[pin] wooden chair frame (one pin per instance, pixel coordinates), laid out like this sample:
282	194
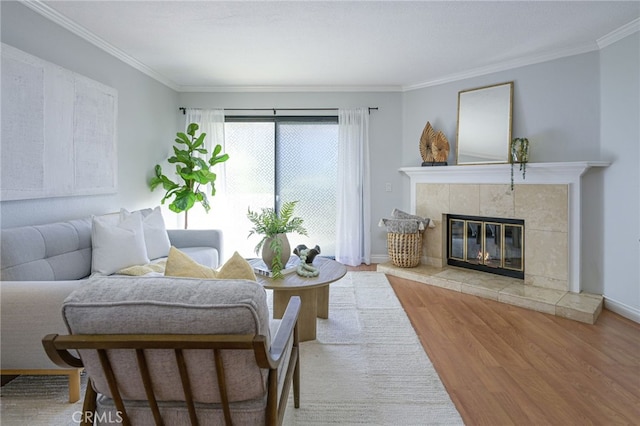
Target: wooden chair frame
57	348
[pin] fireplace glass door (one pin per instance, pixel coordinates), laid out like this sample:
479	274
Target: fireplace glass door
487	244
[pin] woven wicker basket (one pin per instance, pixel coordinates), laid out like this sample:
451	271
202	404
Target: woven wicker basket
405	250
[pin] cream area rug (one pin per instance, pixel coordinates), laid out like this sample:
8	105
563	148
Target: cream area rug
366	367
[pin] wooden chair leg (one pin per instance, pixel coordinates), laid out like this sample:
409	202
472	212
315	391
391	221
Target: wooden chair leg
89	405
296	380
74	385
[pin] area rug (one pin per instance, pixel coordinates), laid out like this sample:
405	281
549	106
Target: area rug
366	367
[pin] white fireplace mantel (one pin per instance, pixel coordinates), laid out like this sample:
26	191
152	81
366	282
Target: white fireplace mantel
568	173
536	173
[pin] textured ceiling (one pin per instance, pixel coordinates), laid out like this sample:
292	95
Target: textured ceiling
341	45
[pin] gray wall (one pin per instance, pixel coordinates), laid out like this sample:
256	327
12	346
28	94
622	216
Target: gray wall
620	144
385	129
582	107
555	105
146	118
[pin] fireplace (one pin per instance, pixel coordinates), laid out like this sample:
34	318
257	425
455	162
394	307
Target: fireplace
489	244
549	201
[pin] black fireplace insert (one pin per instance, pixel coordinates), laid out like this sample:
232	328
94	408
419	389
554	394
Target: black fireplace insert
489	244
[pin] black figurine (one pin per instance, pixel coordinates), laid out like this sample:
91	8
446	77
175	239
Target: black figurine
311	253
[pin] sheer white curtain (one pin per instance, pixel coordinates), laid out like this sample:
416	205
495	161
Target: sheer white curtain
353	230
211	122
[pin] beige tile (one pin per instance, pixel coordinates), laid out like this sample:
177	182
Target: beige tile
534	293
546	254
495	281
546	282
437	281
543	207
537	299
385	268
434	262
581	307
422	273
487	290
432	241
497	201
456	274
464	199
475	277
422	270
432	200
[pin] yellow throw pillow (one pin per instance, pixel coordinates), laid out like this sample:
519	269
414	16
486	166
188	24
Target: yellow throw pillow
237	268
181	265
139	270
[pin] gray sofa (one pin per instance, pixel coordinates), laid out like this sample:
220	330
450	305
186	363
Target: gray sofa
39	267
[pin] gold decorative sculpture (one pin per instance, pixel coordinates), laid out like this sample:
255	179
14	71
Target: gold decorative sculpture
440	148
426	140
434	147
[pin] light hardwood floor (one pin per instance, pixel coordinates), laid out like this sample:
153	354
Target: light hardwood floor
504	365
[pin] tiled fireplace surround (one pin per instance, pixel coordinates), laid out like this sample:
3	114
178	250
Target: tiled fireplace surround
549	202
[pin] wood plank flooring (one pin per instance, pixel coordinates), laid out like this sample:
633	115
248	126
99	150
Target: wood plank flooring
504	365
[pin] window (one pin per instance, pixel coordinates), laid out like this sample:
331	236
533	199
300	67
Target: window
279	159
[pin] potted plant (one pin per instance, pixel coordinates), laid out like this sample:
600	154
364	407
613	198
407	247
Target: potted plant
193	171
519	153
274	227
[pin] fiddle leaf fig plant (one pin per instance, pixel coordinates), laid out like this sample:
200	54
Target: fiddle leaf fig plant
193	172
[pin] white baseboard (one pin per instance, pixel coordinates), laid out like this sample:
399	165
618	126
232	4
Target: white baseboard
379	258
621	309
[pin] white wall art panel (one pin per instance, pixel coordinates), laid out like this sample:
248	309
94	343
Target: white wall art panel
58	131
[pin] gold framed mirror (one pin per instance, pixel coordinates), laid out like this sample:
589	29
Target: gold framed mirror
484	124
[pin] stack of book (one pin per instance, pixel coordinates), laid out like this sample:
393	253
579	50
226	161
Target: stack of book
260	268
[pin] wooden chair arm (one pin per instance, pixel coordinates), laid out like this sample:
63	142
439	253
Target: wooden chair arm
60	357
155	341
288	327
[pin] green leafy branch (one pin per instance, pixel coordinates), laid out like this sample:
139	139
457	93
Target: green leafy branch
519	150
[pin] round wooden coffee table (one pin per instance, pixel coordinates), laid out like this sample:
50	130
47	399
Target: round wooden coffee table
313	292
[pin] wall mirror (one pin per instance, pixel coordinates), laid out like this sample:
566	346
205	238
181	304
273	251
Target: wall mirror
484	124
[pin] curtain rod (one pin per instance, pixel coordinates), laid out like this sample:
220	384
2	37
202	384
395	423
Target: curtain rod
184	109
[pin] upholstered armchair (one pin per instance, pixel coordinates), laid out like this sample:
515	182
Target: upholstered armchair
180	351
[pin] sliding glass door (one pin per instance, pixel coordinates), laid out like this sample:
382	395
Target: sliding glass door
278	159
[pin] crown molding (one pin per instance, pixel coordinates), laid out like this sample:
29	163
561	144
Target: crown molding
274	89
504	66
619	34
80	31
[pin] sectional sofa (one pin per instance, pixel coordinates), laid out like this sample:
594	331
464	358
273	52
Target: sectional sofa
41	265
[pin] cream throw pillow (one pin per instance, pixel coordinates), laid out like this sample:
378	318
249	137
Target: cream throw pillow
181	265
117	246
155	233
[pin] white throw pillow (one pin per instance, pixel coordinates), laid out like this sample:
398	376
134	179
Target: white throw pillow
155	233
117	246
